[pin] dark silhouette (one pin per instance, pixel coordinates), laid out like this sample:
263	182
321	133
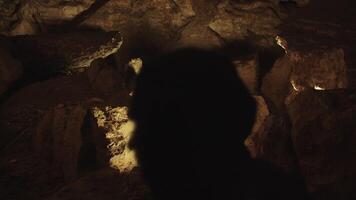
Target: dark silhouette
192	114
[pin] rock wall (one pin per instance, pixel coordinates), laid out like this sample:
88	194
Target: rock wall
299	67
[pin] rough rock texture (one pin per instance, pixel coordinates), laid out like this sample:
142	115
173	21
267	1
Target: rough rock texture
248	72
324	138
31	17
105	80
51	53
256	21
151	22
118	132
321	69
197	33
301	121
58	139
261	117
276	84
8	13
270	138
104	184
10	69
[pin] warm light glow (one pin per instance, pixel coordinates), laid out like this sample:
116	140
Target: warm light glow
295	87
316	87
119	130
136	64
282	43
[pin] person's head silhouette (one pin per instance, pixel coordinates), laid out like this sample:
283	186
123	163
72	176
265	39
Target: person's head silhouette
192	114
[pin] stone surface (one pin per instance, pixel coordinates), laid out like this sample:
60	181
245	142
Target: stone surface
270	138
10	69
31	17
276	83
321	69
118	132
256	21
247	70
104	78
58	139
8	13
149	21
106	184
46	54
323	133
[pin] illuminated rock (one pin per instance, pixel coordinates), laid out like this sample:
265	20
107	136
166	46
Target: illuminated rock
119	130
256	21
263	113
155	21
51	53
323	133
34	16
321	69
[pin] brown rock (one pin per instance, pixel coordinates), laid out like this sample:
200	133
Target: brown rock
35	16
248	72
50	53
158	21
8	13
324	138
104	78
321	69
276	84
270	139
58	139
254	20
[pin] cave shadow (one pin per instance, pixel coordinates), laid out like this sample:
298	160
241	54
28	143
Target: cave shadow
192	115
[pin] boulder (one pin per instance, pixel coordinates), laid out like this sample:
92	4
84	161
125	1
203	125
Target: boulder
58	139
118	130
270	138
32	17
276	84
324	136
47	54
247	70
322	69
319	69
8	13
256	21
151	21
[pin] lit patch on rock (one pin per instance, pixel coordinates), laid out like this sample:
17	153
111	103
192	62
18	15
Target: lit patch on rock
136	65
282	43
119	130
296	87
316	87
